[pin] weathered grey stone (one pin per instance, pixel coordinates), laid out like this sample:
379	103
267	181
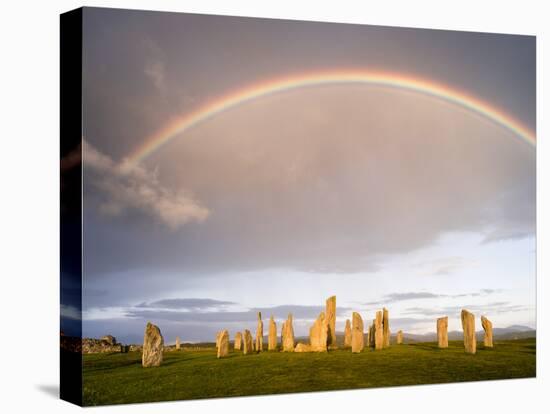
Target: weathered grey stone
399	337
378	332
287	335
259	342
302	348
178	345
318	334
110	339
238	341
386	328
357	333
442	335
153	346
347	334
488	328
469	327
272	335
330	318
247	342
223	344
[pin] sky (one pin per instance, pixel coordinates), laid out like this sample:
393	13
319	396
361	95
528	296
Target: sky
378	195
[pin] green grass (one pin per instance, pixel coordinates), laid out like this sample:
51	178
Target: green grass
119	378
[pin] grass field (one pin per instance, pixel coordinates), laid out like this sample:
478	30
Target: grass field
119	378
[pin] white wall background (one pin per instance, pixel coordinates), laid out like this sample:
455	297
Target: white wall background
29	189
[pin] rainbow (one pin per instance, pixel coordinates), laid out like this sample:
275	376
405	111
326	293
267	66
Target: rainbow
343	76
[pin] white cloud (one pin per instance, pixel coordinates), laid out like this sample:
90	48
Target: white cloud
126	186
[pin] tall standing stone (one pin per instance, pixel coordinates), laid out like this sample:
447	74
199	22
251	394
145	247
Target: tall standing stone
247	342
223	344
469	328
378	331
178	345
386	328
357	333
371	336
330	317
272	335
153	346
259	343
399	337
287	335
442	336
237	345
488	328
347	334
318	334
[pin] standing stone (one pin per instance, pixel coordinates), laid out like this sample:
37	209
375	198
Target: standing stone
318	334
356	333
287	335
223	344
302	348
371	335
399	338
378	331
386	328
488	328
178	345
347	334
469	328
331	322
247	342
259	343
237	345
442	337
153	345
272	335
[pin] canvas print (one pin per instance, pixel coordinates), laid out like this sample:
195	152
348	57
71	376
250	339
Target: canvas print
260	206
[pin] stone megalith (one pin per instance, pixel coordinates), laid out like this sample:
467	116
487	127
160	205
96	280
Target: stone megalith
386	328
153	346
347	334
330	318
488	328
272	335
223	344
356	333
371	336
378	331
237	345
110	339
302	348
318	334
442	336
247	342
399	337
259	342
287	335
178	344
469	327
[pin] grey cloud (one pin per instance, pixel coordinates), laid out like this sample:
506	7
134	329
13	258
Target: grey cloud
185	303
494	307
399	297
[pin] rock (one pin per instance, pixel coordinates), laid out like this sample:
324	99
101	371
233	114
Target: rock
386	328
378	331
399	337
223	344
178	345
371	334
259	341
347	334
330	318
442	337
287	335
247	342
272	335
109	339
469	328
238	341
488	328
302	348
318	334
153	345
357	334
